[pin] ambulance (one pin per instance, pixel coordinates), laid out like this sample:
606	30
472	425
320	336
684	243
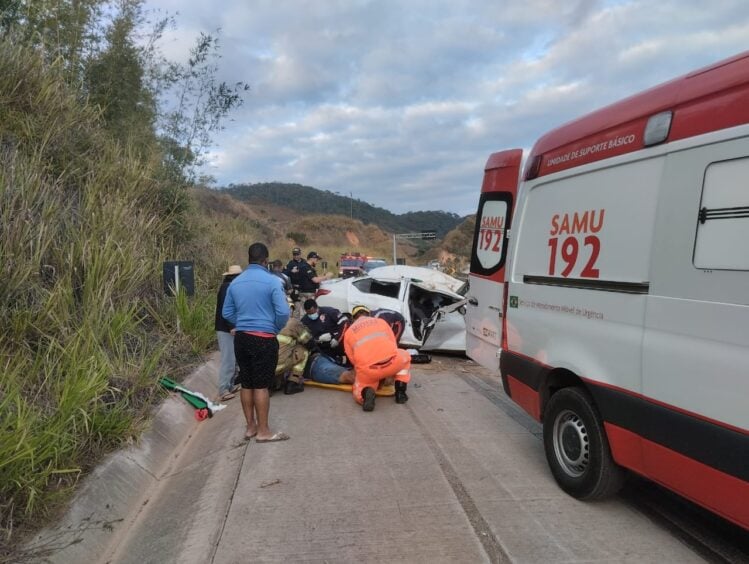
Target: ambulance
610	287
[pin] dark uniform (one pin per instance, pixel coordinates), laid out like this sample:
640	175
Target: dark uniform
396	321
293	271
329	320
306	285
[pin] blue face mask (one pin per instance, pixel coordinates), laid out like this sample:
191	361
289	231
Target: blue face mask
313	316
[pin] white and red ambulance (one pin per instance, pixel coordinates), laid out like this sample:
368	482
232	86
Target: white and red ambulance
610	287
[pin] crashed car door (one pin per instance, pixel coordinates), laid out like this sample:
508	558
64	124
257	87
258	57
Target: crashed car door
446	331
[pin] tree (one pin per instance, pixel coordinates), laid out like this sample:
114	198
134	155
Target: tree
199	105
117	83
66	30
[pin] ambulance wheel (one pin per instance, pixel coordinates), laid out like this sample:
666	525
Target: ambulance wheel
576	447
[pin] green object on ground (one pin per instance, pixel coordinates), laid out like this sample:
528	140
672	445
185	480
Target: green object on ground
189	396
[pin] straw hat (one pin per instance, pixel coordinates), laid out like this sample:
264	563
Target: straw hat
233	269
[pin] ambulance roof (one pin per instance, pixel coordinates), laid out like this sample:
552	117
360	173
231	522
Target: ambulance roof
709	99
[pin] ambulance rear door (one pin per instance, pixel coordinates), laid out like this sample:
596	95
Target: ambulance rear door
486	293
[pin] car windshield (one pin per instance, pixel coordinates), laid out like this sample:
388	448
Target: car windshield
350	262
370	264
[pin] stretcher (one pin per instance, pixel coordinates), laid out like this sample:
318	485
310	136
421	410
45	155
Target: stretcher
383	391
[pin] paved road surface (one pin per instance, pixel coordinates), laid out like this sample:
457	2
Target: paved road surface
455	475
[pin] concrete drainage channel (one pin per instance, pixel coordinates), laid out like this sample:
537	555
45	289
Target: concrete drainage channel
113	496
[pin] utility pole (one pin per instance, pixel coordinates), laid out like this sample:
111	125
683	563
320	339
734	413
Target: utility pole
352	204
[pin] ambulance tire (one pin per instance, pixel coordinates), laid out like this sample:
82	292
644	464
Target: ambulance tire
576	447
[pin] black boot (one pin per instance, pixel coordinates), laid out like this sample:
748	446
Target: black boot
368	395
293	387
400	392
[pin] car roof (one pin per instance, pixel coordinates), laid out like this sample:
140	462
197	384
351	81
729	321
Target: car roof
426	276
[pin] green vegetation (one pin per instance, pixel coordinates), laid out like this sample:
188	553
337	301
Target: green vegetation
98	186
307	199
298	238
94	195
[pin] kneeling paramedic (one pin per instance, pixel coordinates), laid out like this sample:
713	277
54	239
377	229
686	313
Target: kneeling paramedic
292	357
372	350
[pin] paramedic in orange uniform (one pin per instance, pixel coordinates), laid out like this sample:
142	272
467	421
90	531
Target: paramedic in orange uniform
371	347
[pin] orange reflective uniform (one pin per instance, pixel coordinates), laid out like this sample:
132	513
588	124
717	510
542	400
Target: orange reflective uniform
370	346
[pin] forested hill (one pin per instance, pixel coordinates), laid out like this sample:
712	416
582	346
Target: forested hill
311	200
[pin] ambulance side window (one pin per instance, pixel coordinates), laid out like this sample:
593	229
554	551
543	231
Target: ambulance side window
723	217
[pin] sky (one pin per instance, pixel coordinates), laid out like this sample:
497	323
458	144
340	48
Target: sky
399	103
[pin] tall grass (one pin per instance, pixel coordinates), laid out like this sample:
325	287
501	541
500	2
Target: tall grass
85	224
85	330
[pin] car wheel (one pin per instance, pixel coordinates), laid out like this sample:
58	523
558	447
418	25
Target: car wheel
576	447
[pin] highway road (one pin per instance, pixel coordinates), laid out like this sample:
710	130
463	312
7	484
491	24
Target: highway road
457	474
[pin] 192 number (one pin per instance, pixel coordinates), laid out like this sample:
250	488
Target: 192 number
485	239
569	251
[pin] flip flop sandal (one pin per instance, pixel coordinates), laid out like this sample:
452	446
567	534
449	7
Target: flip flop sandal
228	396
275	438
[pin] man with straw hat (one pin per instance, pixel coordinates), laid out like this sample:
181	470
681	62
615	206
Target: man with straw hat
226	388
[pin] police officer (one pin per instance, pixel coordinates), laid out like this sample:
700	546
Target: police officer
310	281
294	272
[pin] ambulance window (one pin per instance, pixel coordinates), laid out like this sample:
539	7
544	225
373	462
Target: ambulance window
723	219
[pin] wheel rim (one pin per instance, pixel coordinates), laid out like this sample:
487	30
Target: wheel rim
571	444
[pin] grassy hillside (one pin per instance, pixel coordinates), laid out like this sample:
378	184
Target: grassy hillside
307	199
282	229
86	220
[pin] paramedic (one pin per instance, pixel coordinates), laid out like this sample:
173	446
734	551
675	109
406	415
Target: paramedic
327	325
292	357
371	348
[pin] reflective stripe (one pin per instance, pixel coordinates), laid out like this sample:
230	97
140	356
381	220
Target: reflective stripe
369	338
402	373
284	339
383	363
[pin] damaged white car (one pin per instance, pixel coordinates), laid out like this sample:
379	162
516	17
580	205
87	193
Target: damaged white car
416	293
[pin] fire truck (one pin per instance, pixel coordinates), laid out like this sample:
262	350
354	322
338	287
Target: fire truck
350	264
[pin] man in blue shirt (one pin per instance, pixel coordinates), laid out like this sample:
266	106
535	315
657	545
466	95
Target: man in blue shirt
256	304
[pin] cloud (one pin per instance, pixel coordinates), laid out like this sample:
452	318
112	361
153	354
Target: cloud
401	103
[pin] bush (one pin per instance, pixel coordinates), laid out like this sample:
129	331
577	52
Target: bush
298	238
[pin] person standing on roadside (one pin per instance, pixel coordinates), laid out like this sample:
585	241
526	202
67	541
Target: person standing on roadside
276	268
293	271
256	304
310	281
226	388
